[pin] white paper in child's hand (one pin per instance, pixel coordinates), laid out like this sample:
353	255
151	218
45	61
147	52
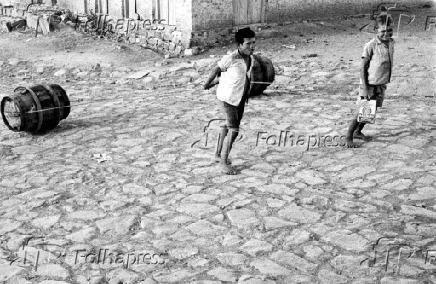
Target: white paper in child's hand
367	111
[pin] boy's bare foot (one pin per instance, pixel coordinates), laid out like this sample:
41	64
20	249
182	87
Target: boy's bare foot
226	169
360	135
350	144
218	159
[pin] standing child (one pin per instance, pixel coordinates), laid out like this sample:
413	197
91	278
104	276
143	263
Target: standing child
232	92
375	73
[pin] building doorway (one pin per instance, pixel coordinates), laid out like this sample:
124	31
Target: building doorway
248	12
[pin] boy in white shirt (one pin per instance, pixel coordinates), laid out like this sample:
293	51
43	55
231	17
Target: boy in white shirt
232	92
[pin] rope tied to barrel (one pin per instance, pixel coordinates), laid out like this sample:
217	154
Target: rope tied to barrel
136	97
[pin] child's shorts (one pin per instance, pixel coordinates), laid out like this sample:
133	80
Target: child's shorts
376	92
234	113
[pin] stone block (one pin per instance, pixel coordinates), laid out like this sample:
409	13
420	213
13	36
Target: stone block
152	41
170	28
167	36
178	49
171	46
132	39
159	43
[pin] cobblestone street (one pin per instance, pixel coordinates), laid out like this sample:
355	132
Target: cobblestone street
125	189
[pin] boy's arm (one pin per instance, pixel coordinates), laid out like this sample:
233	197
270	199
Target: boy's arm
364	76
216	72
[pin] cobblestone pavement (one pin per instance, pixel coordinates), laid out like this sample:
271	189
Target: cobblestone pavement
125	191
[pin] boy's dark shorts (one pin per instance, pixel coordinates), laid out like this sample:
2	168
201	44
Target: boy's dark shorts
376	92
234	113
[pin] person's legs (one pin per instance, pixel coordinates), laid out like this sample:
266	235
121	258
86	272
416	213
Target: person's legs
224	163
358	132
220	142
240	109
376	93
231	131
353	127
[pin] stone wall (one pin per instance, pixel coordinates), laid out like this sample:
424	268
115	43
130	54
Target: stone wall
213	22
296	10
212	14
216	14
204	23
123	18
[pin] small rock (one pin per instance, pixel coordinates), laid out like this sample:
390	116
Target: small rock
346	239
183	253
249	279
252	247
266	266
272	223
242	218
184	80
121	275
7	271
82	236
97	67
328	277
223	274
106	65
192	51
52	270
14	61
60	73
82	74
175	276
148	281
232	259
46	222
299	214
293	260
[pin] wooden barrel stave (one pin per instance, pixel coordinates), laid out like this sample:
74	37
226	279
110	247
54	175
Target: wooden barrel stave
262	71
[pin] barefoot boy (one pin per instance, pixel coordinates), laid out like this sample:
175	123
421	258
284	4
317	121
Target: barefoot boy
232	92
375	73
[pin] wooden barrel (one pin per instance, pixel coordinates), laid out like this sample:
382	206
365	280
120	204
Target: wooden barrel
35	109
262	72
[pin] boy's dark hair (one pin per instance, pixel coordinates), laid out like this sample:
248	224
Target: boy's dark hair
243	33
383	20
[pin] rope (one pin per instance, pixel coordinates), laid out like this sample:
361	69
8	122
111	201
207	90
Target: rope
176	91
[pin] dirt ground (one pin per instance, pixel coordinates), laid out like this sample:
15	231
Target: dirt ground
333	41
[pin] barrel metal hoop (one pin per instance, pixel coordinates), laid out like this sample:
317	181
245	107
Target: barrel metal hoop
2	110
38	108
18	102
57	108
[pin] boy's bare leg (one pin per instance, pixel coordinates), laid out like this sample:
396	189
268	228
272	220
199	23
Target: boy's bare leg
219	145
349	139
224	164
358	133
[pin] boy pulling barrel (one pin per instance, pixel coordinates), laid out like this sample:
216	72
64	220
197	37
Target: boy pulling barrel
234	84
